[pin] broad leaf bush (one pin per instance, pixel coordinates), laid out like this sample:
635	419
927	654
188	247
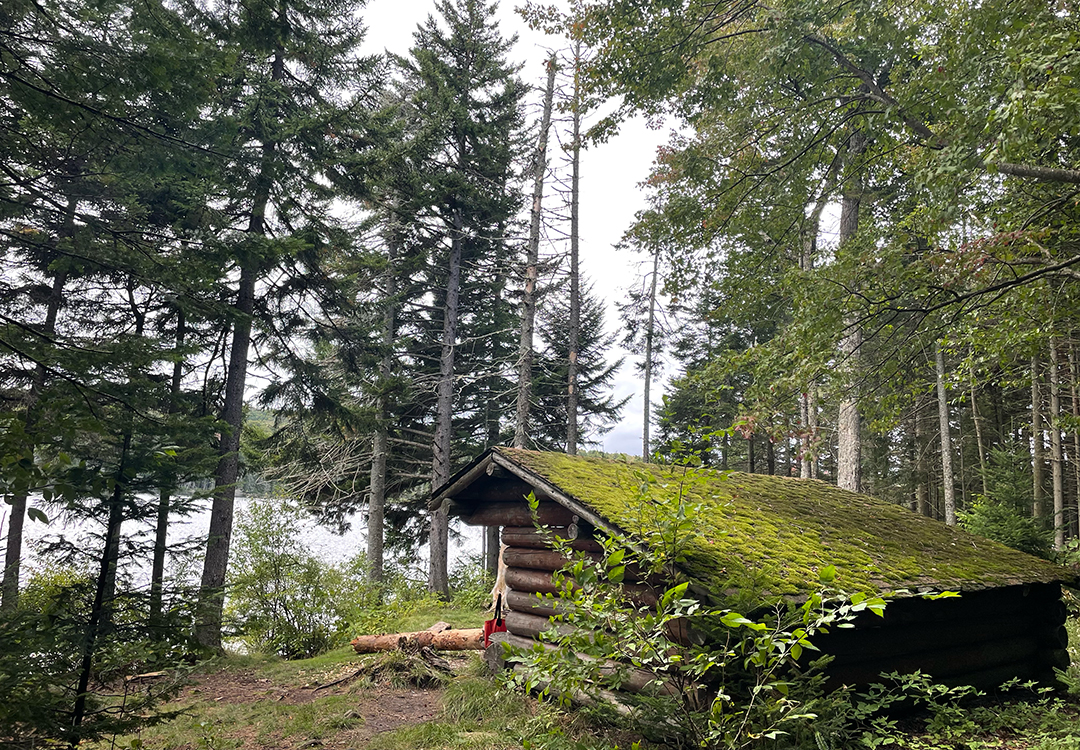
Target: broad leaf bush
729	681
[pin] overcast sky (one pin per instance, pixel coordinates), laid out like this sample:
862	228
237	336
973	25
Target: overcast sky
610	174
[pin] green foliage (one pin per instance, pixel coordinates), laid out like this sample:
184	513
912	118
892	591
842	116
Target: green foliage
1004	524
939	716
41	651
470	583
749	679
281	596
598	409
285	601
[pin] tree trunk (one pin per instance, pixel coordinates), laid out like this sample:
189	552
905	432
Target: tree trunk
161	528
380	446
438	538
1038	448
216	561
100	611
1057	457
575	281
468	639
948	490
750	457
922	473
528	299
849	449
808	467
1073	375
650	332
9	589
980	443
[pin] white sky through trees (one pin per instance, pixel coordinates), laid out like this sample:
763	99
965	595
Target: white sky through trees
610	174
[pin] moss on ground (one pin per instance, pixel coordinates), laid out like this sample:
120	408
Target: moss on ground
770	534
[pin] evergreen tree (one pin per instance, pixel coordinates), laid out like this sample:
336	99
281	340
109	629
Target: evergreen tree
463	106
295	88
598	409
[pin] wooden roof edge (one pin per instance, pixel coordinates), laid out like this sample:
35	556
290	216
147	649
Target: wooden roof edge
565	499
462	479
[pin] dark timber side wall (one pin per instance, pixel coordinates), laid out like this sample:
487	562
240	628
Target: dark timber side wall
981	638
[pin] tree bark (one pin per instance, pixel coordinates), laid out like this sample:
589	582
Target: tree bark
650	332
849	449
438	538
808	464
216	560
1057	456
1073	374
980	443
380	448
528	299
1038	448
100	611
922	473
161	528
468	639
575	280
947	480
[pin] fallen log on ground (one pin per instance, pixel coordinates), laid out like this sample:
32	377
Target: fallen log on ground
466	639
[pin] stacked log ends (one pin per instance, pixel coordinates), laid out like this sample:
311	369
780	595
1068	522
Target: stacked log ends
528	537
518	514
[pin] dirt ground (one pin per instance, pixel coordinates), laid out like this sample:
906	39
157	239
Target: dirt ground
372	709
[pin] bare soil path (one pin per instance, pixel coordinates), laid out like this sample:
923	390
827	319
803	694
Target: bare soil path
243	708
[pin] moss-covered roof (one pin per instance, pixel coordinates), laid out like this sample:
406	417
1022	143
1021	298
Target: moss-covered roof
770	535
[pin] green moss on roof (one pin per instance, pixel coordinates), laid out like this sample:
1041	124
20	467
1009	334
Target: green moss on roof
770	535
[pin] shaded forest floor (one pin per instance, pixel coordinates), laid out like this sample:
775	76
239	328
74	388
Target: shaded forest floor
341	701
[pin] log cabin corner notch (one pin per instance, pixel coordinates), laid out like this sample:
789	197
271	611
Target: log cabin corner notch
763	538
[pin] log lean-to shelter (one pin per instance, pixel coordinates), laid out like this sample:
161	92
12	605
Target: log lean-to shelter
765	538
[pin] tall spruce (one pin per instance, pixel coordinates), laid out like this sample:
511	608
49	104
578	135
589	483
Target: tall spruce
463	104
597	408
294	91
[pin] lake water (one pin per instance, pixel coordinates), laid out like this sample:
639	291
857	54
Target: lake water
317	540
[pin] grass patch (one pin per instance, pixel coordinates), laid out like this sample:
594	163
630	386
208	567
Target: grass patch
427	614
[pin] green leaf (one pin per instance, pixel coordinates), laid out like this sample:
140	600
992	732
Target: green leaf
36	514
827	574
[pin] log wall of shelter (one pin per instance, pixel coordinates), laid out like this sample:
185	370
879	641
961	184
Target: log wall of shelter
980	638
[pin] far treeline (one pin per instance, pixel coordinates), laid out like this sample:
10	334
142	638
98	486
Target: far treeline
861	250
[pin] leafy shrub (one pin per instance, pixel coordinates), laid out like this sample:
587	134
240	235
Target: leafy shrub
42	647
281	598
470	583
367	608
